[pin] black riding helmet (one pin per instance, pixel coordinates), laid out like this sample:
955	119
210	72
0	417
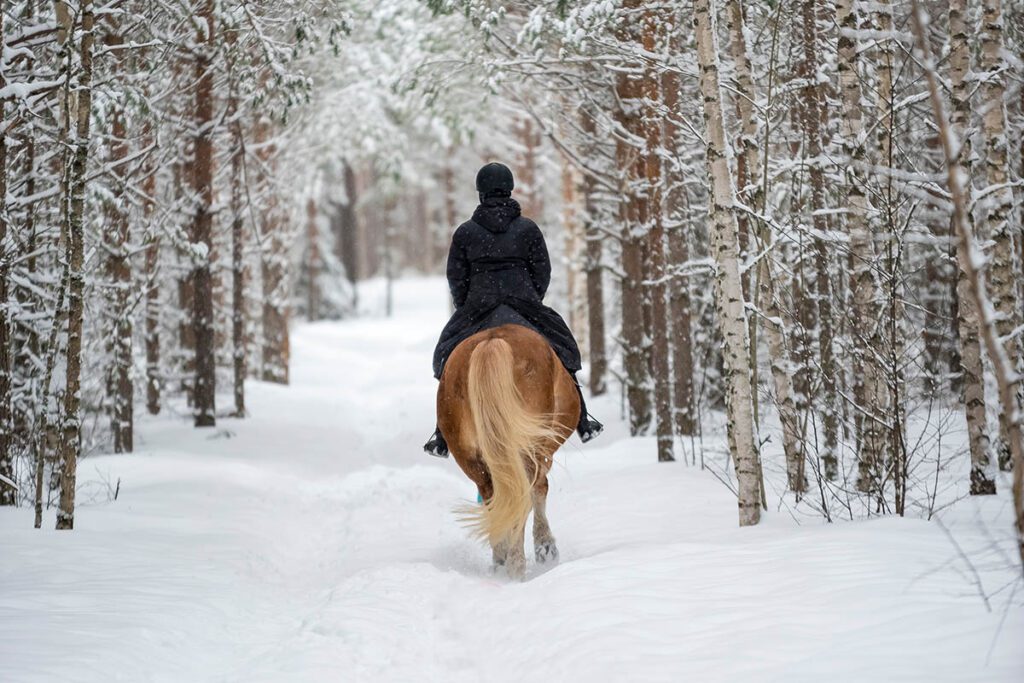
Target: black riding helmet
494	180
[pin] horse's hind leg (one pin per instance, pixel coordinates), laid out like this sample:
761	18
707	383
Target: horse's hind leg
544	548
515	558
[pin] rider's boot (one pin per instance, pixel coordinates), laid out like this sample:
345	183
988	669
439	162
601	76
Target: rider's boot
588	427
437	446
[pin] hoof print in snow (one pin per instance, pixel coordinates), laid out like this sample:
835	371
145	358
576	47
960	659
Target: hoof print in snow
221	434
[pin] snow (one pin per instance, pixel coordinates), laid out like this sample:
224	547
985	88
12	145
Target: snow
314	541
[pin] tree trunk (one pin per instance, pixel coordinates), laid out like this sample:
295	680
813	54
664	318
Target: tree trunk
313	262
870	388
529	187
729	288
999	204
450	219
71	437
747	163
348	247
152	301
657	272
275	319
973	383
204	389
238	339
747	169
679	301
273	271
120	389
633	215
595	277
811	122
571	230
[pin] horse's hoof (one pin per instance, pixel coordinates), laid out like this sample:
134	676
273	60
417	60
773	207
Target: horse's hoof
546	552
516	571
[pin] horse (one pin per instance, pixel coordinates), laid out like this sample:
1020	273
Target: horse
505	404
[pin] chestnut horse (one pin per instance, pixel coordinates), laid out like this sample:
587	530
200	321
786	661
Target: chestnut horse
505	405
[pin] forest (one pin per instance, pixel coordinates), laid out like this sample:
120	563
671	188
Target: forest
786	234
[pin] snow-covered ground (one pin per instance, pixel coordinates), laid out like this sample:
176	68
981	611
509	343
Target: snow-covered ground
315	541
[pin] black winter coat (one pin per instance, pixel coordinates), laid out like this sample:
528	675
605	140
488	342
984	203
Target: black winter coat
498	273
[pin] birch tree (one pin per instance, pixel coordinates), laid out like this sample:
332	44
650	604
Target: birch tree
74	224
982	480
728	287
998	202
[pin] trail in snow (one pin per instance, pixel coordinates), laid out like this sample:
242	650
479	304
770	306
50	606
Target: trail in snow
315	541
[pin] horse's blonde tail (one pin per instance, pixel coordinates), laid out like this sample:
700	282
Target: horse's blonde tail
508	434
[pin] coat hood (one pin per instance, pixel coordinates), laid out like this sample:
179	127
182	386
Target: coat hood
497	213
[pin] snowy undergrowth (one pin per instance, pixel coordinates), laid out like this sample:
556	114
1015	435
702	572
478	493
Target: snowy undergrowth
315	541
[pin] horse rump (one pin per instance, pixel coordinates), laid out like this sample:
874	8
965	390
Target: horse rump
510	438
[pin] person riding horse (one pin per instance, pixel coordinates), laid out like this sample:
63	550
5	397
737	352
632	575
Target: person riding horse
498	274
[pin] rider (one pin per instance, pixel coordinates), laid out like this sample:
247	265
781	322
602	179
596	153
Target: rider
498	272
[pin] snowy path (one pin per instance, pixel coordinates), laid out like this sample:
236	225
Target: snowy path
316	542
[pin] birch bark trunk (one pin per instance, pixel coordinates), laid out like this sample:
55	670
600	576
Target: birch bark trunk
71	433
811	122
999	204
747	163
729	289
870	388
120	388
982	478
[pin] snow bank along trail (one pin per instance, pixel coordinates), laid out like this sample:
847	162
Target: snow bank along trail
315	542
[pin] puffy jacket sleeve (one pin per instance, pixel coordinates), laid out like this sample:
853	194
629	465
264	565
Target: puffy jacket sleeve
538	261
458	268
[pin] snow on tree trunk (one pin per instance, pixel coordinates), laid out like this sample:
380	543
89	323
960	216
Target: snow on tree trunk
151	311
679	300
595	277
728	290
313	262
571	230
120	389
997	206
747	162
973	383
811	122
656	270
273	270
632	212
204	388
71	433
871	390
239	350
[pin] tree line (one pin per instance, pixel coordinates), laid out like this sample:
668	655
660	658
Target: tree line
764	223
144	240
